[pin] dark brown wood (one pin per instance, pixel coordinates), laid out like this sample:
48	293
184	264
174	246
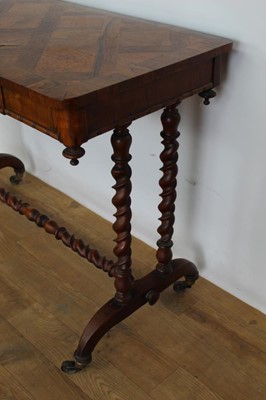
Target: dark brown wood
7	160
73	153
121	172
145	290
75	72
170	121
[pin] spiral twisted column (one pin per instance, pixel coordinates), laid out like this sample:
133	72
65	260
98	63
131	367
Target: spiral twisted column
170	120
121	172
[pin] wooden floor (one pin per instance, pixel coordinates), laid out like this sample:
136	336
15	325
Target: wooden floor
200	345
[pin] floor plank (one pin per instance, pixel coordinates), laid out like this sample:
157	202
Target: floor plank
203	344
32	370
54	339
10	388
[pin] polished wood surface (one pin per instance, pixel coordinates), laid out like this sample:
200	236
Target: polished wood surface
203	345
75	72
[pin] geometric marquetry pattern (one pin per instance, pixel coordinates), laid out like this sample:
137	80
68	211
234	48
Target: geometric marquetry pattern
63	50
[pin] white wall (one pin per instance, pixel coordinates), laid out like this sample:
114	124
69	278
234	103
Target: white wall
221	206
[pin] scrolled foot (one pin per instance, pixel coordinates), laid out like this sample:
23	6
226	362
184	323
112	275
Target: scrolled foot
7	160
74	366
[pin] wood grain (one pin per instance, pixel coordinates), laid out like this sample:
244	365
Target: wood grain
10	388
74	72
18	356
48	332
212	350
180	383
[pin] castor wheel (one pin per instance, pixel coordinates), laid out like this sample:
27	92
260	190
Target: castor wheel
71	367
16	179
74	366
189	281
180	286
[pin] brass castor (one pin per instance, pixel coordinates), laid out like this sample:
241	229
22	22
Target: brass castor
74	366
186	284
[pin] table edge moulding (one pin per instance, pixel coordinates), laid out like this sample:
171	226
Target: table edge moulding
75	72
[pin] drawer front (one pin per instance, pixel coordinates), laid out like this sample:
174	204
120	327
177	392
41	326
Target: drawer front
110	110
28	108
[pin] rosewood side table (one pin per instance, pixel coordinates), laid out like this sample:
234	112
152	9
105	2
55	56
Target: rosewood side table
74	72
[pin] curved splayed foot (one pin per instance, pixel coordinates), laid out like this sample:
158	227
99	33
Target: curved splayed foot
7	160
145	290
190	274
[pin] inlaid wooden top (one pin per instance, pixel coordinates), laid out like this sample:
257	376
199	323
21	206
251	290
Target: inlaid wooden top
74	71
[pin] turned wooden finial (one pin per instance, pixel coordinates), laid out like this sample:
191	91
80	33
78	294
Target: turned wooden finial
207	95
73	153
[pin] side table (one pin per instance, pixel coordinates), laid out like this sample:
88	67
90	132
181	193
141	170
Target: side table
74	72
